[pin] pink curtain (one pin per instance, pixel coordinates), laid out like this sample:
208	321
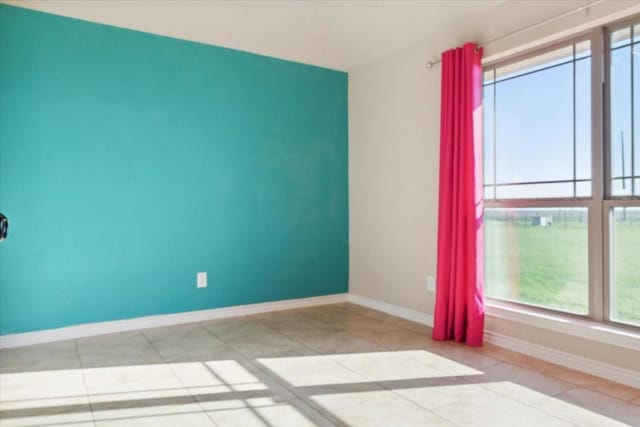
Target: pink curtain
459	310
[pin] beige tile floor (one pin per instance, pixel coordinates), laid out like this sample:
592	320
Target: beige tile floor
330	365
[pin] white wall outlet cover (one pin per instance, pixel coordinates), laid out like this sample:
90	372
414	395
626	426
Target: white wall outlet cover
201	279
431	284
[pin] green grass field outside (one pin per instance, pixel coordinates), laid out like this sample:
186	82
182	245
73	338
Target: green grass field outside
549	266
626	305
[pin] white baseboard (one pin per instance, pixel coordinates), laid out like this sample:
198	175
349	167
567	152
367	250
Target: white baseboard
394	310
569	360
100	328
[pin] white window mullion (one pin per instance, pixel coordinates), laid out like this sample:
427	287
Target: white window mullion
598	296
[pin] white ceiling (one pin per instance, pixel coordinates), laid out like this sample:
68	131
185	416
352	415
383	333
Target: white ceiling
343	35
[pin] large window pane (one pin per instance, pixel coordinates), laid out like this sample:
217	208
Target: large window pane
625	265
538	257
625	161
538	132
534	127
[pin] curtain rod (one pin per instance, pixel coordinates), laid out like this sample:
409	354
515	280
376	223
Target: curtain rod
586	8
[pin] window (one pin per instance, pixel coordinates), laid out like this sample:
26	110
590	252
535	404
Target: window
623	201
562	197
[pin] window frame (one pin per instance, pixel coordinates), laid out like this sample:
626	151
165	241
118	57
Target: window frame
600	204
609	200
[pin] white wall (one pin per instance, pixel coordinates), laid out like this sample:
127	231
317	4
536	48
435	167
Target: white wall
393	148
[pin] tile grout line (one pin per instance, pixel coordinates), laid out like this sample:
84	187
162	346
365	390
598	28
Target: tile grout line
498	361
423	364
573	386
401	396
390	390
173	372
545	372
247	360
591	388
576	387
276	378
84	382
358	374
220	379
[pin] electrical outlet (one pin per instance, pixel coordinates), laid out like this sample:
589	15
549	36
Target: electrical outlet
431	284
201	279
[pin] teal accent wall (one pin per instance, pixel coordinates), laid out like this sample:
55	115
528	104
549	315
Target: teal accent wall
130	161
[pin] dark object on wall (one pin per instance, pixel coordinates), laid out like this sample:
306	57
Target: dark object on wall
4	227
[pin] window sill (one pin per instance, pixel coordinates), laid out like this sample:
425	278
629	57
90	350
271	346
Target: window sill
594	331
